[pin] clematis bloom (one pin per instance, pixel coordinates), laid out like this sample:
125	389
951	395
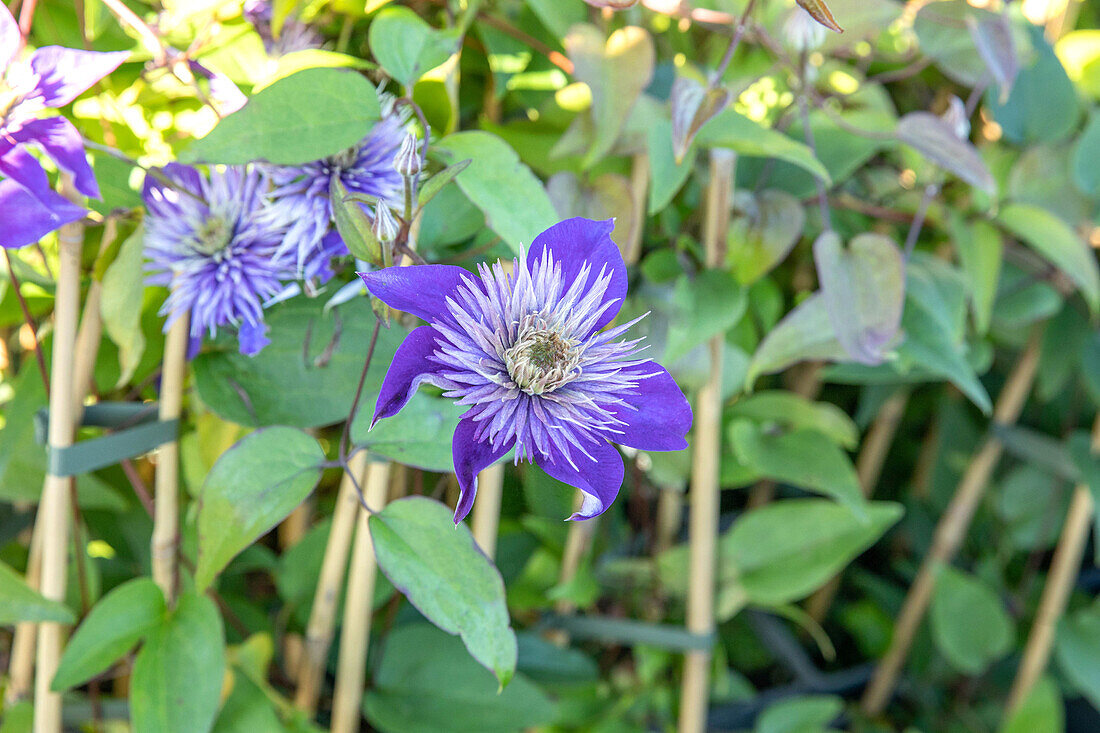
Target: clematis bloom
211	240
52	76
527	353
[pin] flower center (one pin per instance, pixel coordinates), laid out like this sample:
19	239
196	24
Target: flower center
212	237
541	359
345	158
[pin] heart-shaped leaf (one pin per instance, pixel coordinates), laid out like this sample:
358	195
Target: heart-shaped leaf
763	235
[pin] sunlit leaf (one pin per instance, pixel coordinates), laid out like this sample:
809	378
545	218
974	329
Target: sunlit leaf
405	46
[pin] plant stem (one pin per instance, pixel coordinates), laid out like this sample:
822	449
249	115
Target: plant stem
1064	568
28	319
322	617
911	238
735	41
706	454
165	539
54	506
951	529
355	637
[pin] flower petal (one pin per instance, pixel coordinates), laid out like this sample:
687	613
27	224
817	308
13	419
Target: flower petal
27	219
600	480
252	337
470	457
576	241
9	37
421	290
409	368
65	73
658	417
63	143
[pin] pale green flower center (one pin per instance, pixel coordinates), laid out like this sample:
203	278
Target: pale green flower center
212	237
542	359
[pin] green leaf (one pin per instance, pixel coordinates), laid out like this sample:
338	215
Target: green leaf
177	678
19	603
247	710
1079	52
1042	711
123	287
115	624
307	116
513	200
406	47
436	183
969	622
803	458
354	225
733	130
768	227
784	551
933	138
443	573
806	333
981	248
306	376
807	714
420	435
616	71
1086	151
253	486
1077	648
796	412
666	175
1059	244
1043	105
864	290
706	306
427	683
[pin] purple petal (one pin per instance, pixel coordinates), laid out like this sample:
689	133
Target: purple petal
184	175
576	241
65	73
64	144
600	480
658	417
420	289
409	368
9	37
252	337
470	457
22	167
26	219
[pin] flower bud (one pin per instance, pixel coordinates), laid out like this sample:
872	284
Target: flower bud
956	119
801	32
407	161
384	227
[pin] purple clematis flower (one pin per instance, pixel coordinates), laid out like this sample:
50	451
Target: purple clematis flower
301	194
215	248
526	353
51	77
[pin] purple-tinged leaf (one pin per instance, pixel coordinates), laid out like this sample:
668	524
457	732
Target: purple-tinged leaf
820	12
693	105
864	290
935	139
804	334
993	40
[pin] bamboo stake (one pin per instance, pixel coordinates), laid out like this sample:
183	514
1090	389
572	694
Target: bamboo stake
705	484
164	542
322	617
869	465
486	519
951	529
355	637
576	545
21	668
54	508
639	188
1064	567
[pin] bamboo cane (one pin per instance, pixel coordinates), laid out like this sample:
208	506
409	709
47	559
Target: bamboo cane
54	508
707	449
576	545
639	188
21	668
951	529
1063	572
355	637
164	542
869	465
486	519
322	617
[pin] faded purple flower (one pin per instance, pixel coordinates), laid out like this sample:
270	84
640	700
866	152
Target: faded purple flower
526	353
293	36
50	77
301	194
211	241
